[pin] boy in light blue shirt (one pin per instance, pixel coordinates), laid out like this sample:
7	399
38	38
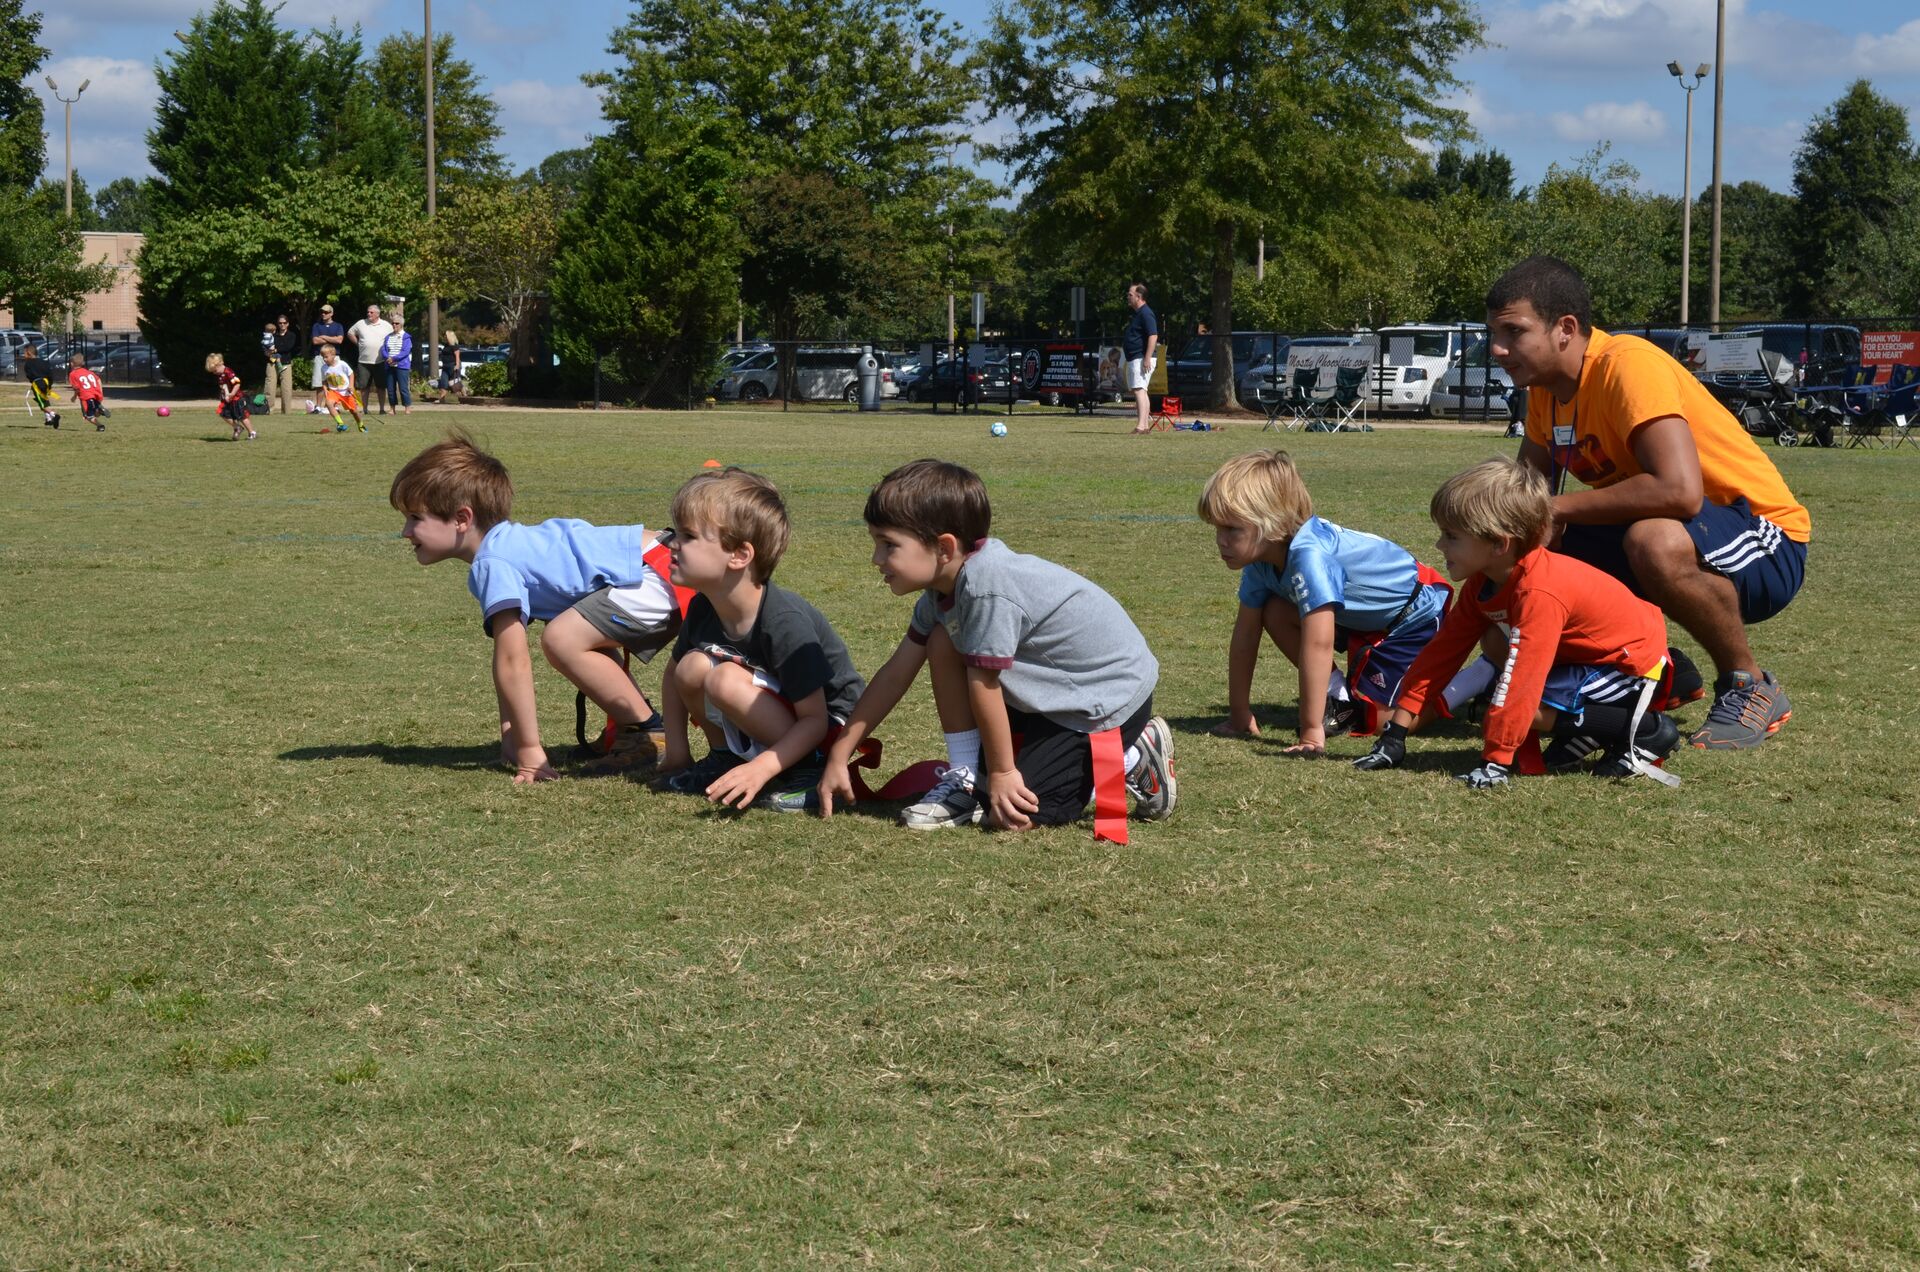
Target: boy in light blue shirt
1316	588
600	590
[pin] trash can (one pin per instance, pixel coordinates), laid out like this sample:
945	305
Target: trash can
869	371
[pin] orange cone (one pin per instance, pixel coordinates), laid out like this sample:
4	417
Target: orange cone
713	463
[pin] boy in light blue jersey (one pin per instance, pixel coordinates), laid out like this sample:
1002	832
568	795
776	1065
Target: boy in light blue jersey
601	591
1316	588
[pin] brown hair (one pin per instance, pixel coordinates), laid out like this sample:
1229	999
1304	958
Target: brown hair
1496	498
929	498
741	507
1263	490
449	475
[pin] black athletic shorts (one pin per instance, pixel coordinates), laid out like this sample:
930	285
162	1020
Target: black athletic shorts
1056	762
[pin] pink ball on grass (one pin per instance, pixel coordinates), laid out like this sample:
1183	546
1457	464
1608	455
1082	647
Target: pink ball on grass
163	411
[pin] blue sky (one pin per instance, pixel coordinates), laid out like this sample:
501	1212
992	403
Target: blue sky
1561	76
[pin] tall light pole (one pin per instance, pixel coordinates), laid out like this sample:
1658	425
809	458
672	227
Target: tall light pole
433	302
68	103
1686	184
1719	92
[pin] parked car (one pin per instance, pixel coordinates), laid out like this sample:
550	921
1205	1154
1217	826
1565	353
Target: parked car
952	380
1826	351
1473	385
13	341
1192	371
755	378
1412	358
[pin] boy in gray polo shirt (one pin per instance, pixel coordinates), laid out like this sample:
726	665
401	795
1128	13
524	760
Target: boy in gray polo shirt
1028	661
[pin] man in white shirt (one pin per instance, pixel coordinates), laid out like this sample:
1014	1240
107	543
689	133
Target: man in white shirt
369	336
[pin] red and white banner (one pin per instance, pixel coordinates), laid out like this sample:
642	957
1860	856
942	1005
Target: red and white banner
1886	349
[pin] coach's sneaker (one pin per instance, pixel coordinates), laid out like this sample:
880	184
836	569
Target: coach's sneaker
1570	753
703	773
1658	736
952	802
635	746
1746	711
1151	779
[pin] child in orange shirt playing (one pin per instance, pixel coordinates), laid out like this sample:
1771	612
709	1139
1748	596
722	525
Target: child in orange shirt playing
1577	655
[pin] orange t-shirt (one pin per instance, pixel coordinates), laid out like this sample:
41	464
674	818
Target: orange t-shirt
1626	383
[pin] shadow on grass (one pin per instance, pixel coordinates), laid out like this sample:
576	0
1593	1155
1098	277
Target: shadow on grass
448	757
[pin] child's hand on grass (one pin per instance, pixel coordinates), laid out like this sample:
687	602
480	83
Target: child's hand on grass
532	766
836	782
738	785
1009	802
1312	744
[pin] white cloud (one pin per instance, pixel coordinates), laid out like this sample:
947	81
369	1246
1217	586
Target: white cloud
1483	116
538	118
1594	38
1636	121
1897	52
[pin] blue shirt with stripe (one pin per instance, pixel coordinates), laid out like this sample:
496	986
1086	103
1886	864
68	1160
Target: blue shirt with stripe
1365	578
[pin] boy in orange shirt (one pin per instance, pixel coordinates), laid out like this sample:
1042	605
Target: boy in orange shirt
1584	659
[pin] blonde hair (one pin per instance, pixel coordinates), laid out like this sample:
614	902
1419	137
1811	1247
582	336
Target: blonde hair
739	506
1262	490
1495	499
449	475
215	362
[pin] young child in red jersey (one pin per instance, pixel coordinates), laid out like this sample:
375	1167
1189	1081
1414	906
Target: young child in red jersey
233	399
1584	659
88	392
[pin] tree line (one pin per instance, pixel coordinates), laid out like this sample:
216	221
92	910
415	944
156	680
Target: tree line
801	168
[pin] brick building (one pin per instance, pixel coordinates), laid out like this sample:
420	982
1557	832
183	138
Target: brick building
117	309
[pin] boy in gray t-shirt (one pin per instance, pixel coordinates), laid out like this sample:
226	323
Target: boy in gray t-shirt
1028	661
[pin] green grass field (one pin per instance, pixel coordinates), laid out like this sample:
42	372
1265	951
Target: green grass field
293	976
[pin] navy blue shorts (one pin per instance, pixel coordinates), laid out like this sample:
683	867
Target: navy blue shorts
1374	667
1765	567
1571	686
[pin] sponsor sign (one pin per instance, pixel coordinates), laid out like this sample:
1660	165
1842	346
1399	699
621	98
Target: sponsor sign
1887	349
1736	351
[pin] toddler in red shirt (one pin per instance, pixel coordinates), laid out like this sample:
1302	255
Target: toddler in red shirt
1577	655
233	399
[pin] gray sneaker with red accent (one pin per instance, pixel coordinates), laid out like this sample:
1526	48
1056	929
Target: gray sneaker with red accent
1746	711
1151	781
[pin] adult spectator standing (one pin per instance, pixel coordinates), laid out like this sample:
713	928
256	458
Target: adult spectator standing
1140	342
452	374
1682	506
286	346
324	332
397	356
369	337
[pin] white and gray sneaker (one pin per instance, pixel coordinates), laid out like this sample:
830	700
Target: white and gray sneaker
952	802
1151	780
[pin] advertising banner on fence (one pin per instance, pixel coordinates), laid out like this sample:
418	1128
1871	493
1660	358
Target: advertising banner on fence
1888	349
1068	369
1736	351
1304	357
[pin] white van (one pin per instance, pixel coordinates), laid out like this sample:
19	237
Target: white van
1413	357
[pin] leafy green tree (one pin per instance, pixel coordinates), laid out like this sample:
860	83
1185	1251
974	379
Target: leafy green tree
125	205
51	197
245	102
207	279
646	278
465	131
23	143
816	256
1847	176
493	242
1624	242
874	94
1890	254
1756	252
1159	134
41	269
564	174
1485	174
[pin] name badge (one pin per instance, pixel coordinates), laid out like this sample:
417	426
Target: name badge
1563	434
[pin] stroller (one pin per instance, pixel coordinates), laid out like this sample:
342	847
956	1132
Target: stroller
1771	408
40	398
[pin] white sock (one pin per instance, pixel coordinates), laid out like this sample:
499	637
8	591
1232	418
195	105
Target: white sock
1472	681
1337	685
1131	760
963	750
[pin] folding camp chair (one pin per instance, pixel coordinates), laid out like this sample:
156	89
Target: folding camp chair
1902	387
1302	402
1343	407
1167	417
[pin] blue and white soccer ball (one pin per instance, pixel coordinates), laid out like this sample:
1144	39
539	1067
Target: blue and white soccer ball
999	428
